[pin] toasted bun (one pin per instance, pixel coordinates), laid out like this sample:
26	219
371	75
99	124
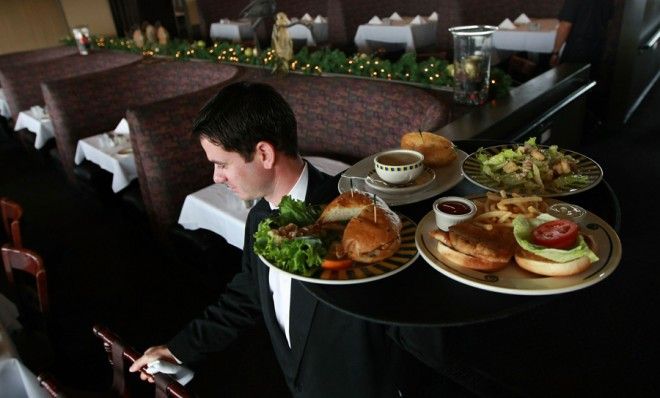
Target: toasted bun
369	239
437	150
458	259
542	266
345	206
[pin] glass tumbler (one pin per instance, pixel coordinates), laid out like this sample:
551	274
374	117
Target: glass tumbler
472	48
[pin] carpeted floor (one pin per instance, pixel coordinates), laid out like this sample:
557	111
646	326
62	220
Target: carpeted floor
104	268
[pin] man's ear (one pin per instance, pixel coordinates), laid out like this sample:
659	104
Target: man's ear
265	153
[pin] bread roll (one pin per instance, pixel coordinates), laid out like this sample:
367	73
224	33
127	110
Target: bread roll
437	150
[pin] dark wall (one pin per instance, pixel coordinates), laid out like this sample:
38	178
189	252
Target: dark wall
129	13
634	69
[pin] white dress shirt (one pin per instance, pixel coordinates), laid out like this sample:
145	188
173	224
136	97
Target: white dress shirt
280	284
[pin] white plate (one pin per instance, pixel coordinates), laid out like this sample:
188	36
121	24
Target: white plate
406	255
515	280
445	178
585	166
424	179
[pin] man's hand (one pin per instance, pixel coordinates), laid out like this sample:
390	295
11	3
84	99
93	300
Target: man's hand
554	59
152	354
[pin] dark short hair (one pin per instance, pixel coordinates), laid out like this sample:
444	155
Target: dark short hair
244	113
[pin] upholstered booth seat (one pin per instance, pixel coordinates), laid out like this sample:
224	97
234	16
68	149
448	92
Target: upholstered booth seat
22	83
94	103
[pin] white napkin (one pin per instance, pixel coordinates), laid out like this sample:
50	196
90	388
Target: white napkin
122	127
306	18
224	20
522	19
506	24
319	19
181	374
395	16
433	17
417	20
375	21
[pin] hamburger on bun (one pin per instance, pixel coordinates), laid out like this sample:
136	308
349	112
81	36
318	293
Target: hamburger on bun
369	235
552	247
345	206
372	236
437	150
471	246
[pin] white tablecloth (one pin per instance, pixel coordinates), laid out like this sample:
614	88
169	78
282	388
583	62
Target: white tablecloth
413	36
118	159
235	31
303	32
42	127
17	381
217	209
524	39
4	106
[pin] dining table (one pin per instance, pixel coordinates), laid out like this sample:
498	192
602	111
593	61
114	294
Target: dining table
538	36
113	152
390	33
16	380
232	30
4	105
419	295
41	125
312	32
216	208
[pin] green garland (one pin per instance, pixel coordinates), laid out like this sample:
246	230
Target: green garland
432	72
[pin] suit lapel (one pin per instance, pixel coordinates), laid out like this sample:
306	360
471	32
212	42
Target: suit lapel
303	306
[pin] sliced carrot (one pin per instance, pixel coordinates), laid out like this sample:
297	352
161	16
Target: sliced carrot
336	263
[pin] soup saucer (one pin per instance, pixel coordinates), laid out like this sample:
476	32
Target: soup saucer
374	181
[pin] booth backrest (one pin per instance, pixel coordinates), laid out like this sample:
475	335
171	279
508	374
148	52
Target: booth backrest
44	54
342	118
349	118
170	162
94	103
22	83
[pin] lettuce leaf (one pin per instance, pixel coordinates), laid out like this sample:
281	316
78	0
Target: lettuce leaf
301	255
522	230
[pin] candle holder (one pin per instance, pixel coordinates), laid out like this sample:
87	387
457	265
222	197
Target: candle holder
83	41
472	48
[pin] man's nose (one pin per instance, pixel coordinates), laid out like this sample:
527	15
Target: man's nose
219	177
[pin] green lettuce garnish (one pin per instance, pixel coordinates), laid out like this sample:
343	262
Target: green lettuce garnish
300	255
522	230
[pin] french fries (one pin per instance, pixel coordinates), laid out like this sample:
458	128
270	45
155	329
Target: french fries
500	210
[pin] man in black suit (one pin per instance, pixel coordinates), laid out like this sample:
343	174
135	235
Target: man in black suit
248	132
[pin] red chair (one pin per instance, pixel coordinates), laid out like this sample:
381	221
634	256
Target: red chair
121	357
11	216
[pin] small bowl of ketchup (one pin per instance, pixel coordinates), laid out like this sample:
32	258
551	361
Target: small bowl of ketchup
452	210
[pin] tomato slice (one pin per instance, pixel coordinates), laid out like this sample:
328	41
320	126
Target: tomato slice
557	234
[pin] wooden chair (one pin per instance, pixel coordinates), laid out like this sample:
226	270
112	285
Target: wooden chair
11	216
121	357
27	261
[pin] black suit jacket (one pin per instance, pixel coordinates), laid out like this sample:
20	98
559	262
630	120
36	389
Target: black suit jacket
332	354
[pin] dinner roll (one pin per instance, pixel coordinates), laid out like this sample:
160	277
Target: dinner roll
437	150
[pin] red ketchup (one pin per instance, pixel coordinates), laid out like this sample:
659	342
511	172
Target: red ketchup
453	207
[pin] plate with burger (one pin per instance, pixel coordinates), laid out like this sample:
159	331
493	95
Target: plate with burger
518	248
356	238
